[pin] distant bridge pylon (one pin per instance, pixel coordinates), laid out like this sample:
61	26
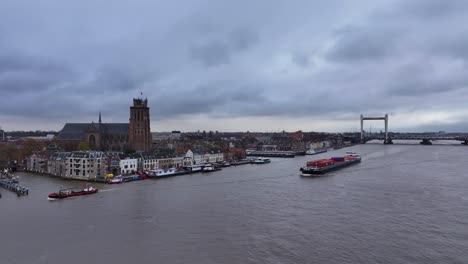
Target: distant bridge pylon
385	118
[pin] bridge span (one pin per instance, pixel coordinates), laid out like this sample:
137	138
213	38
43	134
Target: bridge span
425	138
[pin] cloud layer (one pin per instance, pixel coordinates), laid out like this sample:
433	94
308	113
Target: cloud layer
235	65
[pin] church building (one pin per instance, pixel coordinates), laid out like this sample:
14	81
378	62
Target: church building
135	135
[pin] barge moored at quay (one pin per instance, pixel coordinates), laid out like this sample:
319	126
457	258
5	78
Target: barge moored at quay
316	151
323	166
272	154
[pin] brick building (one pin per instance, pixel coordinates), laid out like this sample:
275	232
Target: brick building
101	136
139	129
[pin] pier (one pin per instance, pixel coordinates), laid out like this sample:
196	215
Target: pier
10	182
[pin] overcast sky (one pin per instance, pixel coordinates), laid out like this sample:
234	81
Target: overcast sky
263	65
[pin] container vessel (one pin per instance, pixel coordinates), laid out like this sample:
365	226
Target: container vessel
323	166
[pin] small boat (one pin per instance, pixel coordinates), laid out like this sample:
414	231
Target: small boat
315	151
261	160
226	164
241	162
160	173
319	167
65	193
115	180
194	168
210	168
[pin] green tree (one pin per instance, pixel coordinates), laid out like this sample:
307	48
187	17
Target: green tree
83	146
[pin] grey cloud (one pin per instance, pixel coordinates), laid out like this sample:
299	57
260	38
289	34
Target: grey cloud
429	9
301	59
19	74
220	50
243	38
224	96
361	44
411	57
211	54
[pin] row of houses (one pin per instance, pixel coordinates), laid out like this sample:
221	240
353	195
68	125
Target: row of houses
88	165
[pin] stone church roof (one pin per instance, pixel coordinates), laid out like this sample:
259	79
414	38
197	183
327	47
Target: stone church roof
77	131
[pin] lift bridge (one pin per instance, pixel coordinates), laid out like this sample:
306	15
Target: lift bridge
425	138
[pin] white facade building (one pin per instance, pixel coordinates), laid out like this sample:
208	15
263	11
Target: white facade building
150	163
213	157
128	165
85	165
191	158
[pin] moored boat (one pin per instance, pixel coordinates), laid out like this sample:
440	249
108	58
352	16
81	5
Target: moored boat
261	160
135	177
115	180
210	168
323	166
65	193
194	168
315	151
160	173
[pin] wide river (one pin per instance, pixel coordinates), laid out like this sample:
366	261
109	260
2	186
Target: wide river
402	204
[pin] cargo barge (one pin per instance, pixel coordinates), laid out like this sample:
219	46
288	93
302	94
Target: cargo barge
66	193
323	166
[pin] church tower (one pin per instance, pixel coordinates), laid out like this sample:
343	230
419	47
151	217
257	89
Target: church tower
139	132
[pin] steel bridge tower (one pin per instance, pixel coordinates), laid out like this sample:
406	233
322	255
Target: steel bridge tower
385	118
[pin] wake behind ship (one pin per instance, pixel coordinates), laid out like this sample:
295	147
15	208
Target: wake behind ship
323	166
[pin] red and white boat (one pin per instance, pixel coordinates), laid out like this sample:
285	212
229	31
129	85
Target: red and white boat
65	193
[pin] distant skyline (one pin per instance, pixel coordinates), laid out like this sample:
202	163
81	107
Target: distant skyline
236	65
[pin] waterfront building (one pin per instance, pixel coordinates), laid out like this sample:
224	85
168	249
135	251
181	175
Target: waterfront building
112	165
150	162
37	162
128	165
178	161
269	147
213	157
170	162
57	163
85	165
190	158
320	144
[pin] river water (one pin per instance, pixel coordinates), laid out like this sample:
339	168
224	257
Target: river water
402	204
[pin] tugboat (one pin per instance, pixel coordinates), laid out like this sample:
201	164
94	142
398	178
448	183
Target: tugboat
261	161
65	193
323	166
